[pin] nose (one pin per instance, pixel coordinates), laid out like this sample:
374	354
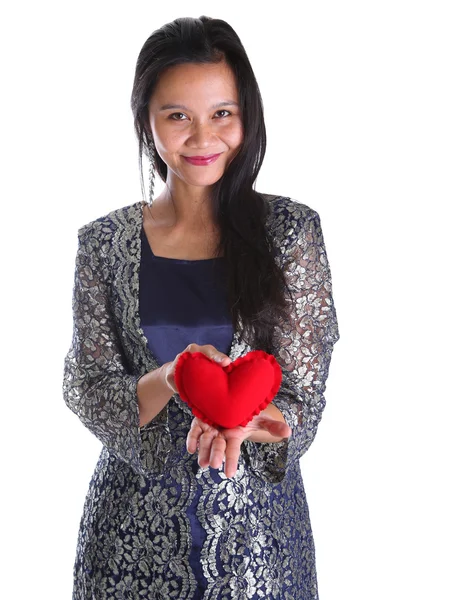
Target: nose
201	136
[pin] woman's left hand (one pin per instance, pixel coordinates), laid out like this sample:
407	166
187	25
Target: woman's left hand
214	445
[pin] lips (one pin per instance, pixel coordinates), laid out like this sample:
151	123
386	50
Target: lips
203	157
202	160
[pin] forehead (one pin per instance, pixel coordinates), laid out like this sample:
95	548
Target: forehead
195	81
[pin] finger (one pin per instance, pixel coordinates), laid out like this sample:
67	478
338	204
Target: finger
216	355
193	438
222	359
192	347
217	455
232	452
204	450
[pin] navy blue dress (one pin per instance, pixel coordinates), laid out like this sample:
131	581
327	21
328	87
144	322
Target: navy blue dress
181	302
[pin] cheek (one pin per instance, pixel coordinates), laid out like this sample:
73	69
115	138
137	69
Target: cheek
168	140
235	134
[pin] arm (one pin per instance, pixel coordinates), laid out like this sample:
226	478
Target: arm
303	349
97	384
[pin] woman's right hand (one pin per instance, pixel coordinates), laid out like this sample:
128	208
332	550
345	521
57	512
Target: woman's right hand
208	350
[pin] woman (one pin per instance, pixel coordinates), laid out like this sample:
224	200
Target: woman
177	508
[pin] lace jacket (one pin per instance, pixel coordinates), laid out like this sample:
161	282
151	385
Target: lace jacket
135	537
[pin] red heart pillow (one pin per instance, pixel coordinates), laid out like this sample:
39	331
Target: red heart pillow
227	396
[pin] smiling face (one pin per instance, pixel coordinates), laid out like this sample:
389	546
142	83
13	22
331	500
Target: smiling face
194	111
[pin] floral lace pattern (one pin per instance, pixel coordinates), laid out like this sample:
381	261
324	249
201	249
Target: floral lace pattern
135	538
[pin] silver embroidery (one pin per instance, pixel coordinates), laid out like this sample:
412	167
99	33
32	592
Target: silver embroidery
135	536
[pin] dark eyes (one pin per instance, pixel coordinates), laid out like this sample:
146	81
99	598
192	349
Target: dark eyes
173	114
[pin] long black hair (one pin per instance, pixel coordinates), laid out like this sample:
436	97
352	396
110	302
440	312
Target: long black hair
256	286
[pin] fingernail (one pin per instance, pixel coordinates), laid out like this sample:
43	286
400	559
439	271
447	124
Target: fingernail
218	358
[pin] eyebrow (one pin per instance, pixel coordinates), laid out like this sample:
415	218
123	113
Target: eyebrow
218	105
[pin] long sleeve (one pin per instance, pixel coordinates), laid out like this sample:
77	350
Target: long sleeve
303	349
97	384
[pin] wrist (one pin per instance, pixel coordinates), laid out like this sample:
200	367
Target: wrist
167	378
153	394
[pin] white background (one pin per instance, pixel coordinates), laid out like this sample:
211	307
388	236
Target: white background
356	97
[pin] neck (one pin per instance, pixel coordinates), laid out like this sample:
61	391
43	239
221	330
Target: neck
190	210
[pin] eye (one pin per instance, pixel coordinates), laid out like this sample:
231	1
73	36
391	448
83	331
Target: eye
173	114
223	110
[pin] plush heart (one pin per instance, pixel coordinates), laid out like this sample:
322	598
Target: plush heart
227	396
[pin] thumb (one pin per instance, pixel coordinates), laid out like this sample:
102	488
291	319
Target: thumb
276	428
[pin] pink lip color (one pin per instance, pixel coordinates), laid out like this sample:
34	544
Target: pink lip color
202	162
